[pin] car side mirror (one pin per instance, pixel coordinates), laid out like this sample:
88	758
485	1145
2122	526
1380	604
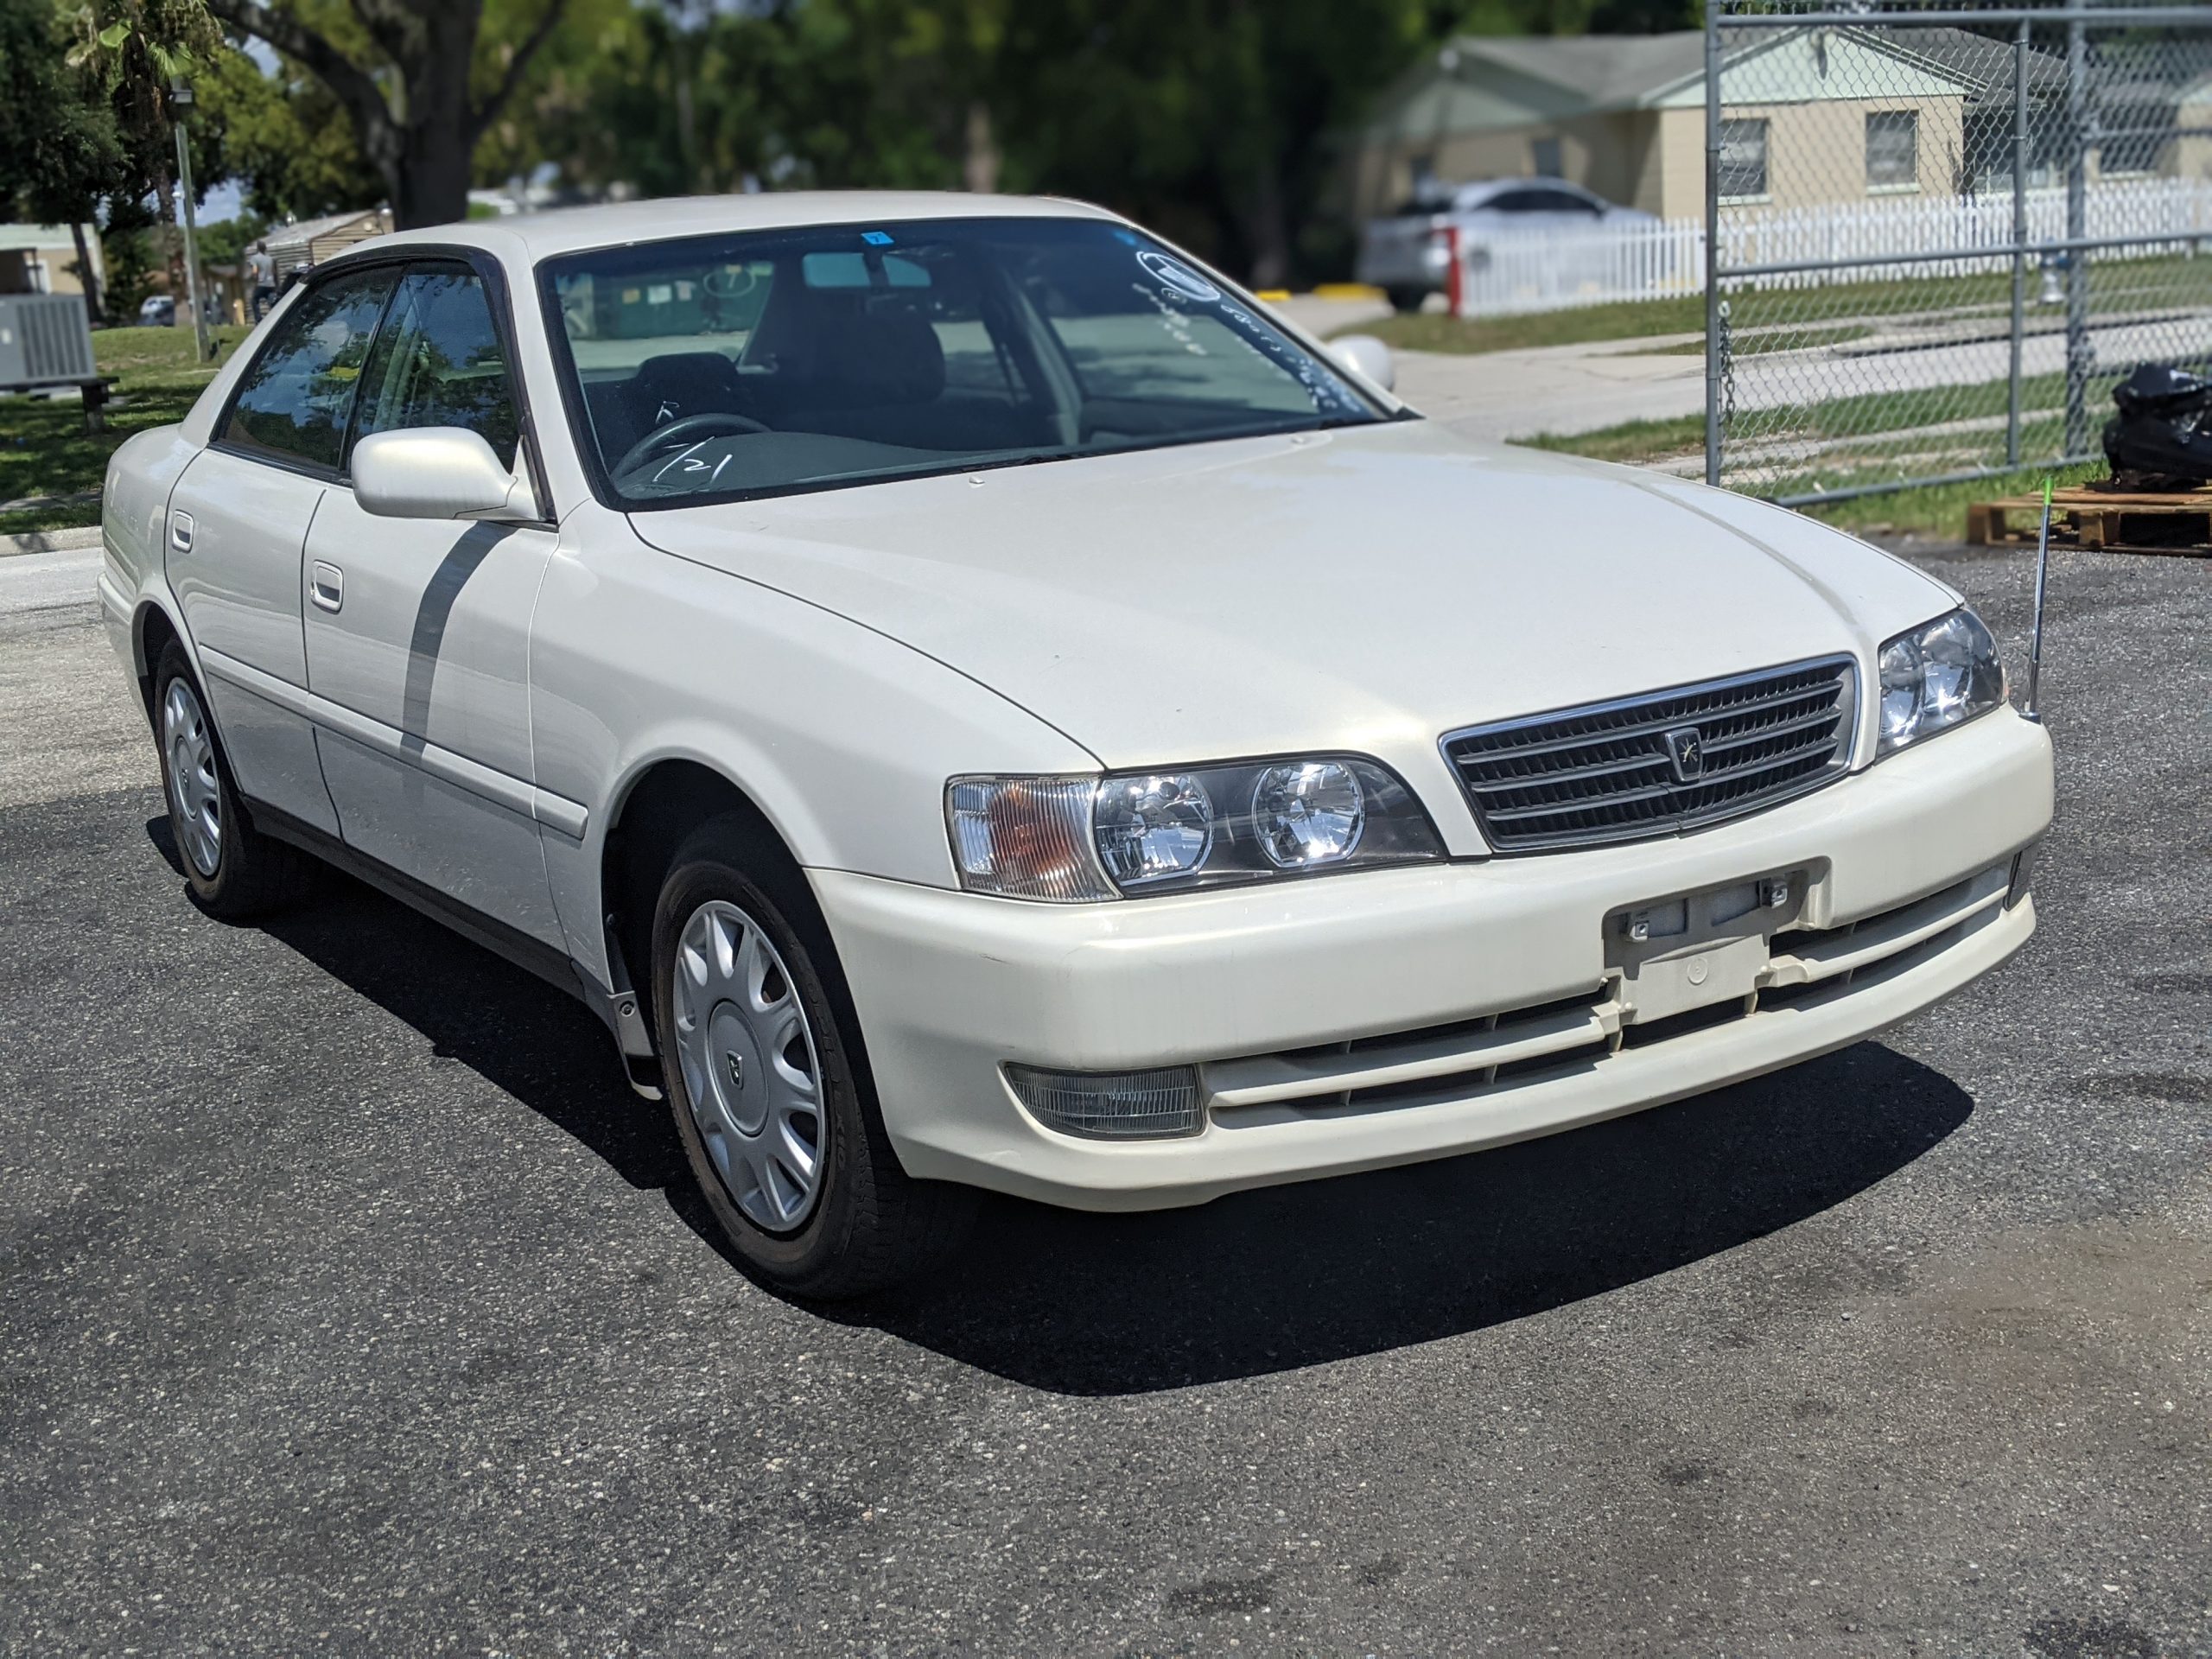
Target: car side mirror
438	472
1368	356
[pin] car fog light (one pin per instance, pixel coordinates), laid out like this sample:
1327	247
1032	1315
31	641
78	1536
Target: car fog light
1111	1105
1308	813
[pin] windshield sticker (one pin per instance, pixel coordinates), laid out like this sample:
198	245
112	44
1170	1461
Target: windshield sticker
876	238
1172	273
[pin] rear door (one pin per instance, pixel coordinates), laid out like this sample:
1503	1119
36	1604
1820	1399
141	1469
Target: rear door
417	629
238	519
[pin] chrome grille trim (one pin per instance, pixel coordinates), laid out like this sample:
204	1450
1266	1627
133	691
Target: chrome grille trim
1601	774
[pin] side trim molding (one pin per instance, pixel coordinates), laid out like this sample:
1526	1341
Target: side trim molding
525	800
549	964
617	1010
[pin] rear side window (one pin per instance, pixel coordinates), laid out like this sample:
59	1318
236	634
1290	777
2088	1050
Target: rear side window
438	362
295	401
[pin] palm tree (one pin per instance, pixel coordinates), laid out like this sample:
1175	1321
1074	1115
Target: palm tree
135	50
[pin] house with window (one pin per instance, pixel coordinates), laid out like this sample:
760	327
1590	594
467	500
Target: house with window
309	242
43	258
1814	116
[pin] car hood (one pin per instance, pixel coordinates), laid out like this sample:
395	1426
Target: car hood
1362	589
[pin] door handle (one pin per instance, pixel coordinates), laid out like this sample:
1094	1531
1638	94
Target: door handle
326	586
180	531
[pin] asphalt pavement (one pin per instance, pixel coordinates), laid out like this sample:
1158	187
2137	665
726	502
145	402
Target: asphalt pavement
349	1303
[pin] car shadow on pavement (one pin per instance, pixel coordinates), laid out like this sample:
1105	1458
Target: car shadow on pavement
1254	1283
1295	1275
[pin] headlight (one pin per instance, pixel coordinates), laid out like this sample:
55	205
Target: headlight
1069	839
1938	677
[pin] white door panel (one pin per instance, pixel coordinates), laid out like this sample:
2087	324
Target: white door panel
239	581
232	555
429	641
453	839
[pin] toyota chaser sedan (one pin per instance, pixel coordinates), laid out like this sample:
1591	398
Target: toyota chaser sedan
971	699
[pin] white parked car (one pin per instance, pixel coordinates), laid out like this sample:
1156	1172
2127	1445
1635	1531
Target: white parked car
970	699
1408	253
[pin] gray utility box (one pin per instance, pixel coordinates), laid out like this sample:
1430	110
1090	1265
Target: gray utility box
46	339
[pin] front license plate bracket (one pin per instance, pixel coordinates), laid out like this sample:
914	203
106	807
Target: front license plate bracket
1691	950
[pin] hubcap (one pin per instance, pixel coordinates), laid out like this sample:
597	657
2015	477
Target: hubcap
749	1065
194	796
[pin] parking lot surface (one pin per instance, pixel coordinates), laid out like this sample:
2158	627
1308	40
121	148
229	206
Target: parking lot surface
352	1303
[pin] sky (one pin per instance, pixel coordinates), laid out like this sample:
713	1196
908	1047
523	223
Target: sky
224	201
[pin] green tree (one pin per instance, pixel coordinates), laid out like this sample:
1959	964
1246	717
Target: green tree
285	141
59	153
421	81
1213	122
137	50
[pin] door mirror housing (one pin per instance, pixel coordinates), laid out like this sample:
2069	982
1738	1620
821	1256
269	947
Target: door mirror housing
1367	357
439	472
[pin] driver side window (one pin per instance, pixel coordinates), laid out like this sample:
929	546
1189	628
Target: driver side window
293	403
438	362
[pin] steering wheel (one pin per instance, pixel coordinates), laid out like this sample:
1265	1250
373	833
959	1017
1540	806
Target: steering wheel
692	428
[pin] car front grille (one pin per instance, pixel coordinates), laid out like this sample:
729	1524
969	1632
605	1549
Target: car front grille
1608	772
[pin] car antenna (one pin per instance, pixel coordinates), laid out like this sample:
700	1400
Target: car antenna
2033	710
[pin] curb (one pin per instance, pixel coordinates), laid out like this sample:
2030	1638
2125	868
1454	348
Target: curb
50	541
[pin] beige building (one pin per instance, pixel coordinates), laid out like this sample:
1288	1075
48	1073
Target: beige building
311	241
1813	116
42	259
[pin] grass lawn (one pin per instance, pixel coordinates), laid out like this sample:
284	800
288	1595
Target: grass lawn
1433	331
44	449
1940	510
1933	510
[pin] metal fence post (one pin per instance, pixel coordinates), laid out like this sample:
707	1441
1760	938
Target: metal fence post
1713	434
2020	41
2077	231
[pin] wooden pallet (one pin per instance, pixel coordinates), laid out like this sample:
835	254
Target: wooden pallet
2107	517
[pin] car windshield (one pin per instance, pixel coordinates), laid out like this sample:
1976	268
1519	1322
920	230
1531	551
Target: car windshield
725	367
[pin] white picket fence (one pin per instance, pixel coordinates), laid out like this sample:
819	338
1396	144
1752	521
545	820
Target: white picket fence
1555	270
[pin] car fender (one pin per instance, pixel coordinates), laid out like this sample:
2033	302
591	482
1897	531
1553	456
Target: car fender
134	539
841	736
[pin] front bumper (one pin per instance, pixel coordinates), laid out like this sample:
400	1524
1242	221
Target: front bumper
950	987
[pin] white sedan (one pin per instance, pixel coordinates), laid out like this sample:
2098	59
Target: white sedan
971	699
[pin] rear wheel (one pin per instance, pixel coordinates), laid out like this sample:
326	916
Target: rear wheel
769	1086
234	871
1406	299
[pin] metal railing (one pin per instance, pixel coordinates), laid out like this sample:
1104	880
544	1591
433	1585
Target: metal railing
1942	232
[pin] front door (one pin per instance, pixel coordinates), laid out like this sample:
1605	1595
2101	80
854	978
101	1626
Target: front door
237	521
418	630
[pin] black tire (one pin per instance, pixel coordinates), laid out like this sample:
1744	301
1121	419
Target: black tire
252	874
1406	300
871	1224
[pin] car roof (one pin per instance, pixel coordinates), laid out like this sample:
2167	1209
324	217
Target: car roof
1474	195
525	239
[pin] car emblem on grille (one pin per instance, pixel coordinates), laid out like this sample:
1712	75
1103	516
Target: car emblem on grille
1687	750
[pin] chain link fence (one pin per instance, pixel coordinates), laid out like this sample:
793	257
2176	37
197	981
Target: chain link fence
1942	232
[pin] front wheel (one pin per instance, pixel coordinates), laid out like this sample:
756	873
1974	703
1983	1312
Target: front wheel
1406	300
769	1086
